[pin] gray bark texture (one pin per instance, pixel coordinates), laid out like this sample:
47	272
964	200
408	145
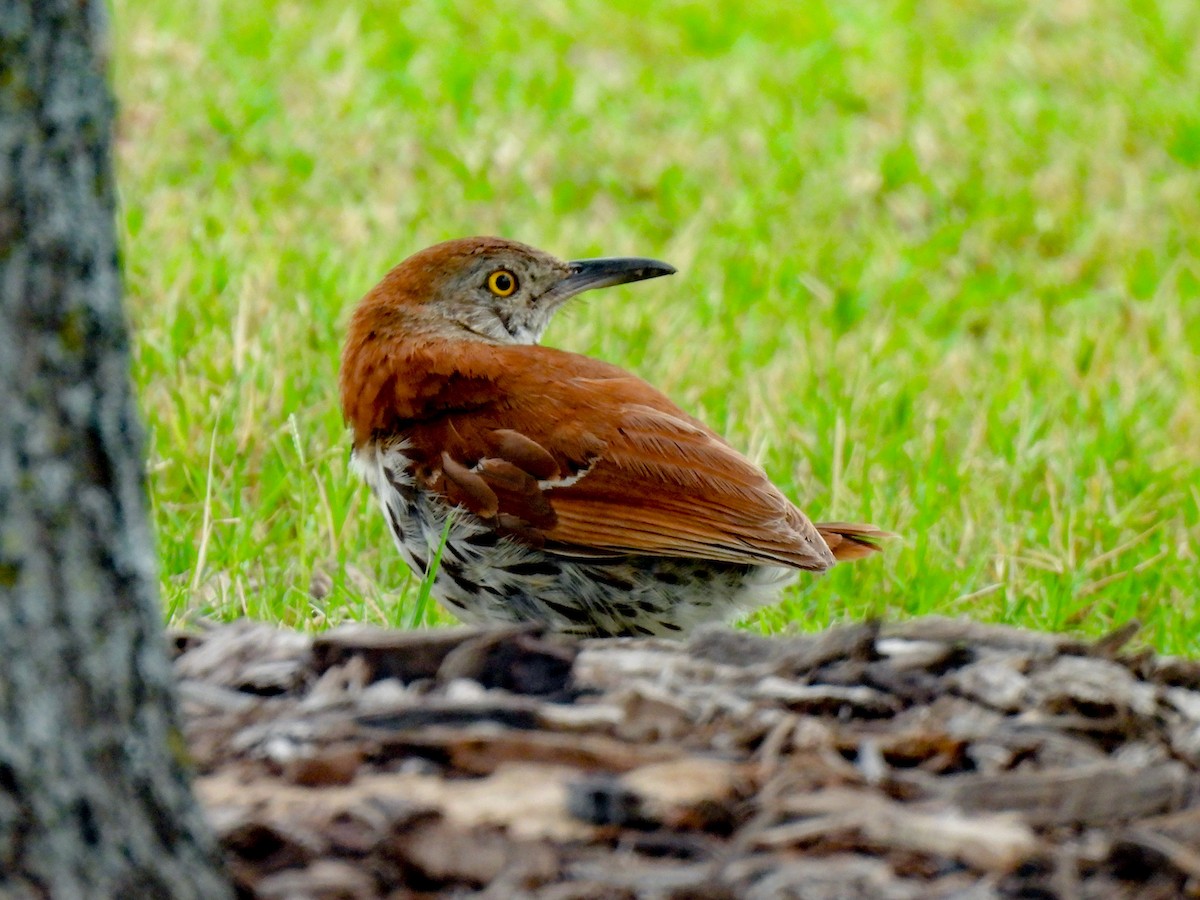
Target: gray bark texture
94	796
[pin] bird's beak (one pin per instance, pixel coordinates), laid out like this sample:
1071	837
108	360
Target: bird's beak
586	274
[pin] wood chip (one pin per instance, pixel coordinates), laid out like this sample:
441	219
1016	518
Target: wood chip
1103	794
926	759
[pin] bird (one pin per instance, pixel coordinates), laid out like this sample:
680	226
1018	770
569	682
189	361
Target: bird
543	486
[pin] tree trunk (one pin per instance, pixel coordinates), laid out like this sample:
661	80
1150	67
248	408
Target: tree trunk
94	798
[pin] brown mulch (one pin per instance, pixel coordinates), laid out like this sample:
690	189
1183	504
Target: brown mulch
934	758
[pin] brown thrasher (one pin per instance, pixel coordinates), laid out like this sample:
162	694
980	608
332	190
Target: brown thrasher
579	496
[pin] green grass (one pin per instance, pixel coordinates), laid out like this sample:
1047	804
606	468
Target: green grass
939	270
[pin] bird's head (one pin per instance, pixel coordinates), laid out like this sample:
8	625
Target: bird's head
492	289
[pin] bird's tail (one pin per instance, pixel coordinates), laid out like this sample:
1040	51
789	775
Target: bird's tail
849	540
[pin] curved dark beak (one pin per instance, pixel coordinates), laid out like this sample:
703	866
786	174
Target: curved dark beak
586	274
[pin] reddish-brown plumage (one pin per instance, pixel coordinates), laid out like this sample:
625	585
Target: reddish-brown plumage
561	455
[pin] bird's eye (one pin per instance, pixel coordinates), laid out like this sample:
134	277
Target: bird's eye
502	283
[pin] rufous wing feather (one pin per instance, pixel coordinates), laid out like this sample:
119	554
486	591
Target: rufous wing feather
617	468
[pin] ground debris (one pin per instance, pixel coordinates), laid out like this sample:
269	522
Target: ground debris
933	758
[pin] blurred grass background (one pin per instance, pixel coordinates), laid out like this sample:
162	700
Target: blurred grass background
939	270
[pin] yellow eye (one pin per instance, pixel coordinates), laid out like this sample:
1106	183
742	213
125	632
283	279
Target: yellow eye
502	283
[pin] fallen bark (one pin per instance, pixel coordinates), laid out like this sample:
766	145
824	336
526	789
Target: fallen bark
935	758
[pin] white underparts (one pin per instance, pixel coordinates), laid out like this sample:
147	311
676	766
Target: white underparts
488	579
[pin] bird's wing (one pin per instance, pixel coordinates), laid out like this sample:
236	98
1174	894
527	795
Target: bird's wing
581	458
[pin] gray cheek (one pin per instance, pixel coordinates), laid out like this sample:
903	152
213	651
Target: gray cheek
527	325
526	336
486	322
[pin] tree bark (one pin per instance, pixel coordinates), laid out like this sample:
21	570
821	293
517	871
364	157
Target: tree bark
94	796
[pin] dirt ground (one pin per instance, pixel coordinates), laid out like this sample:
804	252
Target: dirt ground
933	758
